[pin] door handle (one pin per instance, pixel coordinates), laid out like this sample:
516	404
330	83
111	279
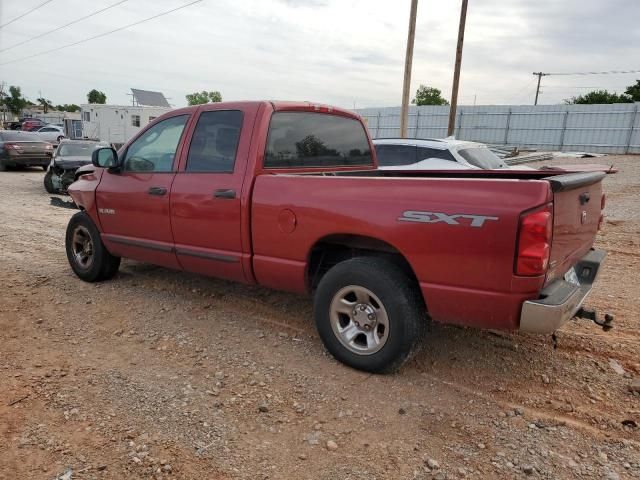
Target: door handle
225	193
157	191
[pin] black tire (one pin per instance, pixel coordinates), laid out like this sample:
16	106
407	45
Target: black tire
3	166
102	265
400	299
44	167
48	182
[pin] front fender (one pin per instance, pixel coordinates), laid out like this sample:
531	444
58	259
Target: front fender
83	190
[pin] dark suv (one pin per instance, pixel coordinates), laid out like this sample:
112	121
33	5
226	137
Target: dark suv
70	155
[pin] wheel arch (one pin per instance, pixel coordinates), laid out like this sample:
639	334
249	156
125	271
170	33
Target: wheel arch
335	248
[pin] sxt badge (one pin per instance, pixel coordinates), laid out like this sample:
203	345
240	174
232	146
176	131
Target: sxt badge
437	217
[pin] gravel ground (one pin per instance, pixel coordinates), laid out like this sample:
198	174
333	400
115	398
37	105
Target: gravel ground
160	374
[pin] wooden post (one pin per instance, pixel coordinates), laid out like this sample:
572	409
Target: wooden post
456	71
404	113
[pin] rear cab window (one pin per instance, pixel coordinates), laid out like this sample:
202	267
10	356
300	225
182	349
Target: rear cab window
311	139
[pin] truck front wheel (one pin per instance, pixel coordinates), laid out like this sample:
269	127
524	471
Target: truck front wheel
369	314
89	258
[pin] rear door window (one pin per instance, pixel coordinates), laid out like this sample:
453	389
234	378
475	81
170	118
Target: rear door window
396	155
306	139
424	153
215	142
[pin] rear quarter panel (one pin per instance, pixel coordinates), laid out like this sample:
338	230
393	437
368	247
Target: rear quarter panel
465	273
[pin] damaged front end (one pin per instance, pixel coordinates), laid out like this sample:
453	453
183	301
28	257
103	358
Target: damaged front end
60	176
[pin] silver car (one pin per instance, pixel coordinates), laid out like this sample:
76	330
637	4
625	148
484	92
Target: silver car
51	133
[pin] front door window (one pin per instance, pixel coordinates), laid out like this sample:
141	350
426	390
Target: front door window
155	149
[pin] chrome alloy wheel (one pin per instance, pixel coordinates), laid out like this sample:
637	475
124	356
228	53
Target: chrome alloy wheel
82	247
359	320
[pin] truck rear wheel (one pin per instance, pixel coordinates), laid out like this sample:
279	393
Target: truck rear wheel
89	258
369	314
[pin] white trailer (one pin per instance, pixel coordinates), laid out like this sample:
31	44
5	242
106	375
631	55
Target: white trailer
116	124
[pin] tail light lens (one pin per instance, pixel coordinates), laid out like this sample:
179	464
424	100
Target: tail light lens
534	242
13	146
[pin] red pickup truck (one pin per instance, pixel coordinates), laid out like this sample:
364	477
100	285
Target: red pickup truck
287	195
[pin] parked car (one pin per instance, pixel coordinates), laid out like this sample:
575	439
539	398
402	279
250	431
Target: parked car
23	149
50	133
288	195
30	124
68	157
433	154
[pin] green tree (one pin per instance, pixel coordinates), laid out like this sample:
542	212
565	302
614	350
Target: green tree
15	102
598	97
68	107
199	98
95	96
426	95
46	104
633	91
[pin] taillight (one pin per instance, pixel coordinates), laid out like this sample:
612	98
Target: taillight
13	146
534	242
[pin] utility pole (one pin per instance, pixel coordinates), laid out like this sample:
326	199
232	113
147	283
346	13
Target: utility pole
404	113
456	70
539	75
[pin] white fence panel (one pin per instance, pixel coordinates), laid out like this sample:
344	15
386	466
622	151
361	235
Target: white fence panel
596	128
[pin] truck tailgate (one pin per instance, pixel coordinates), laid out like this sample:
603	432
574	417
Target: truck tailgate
577	202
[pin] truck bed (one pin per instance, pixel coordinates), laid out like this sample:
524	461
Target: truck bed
428	217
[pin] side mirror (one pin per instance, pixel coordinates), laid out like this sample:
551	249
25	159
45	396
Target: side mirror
105	157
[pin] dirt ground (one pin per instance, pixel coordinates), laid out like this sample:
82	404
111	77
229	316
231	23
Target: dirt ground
160	374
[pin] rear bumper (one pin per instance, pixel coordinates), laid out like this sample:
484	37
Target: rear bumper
560	300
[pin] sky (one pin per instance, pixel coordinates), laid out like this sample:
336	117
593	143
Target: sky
348	53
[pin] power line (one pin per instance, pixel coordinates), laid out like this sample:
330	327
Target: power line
609	72
64	26
26	13
586	86
519	92
102	34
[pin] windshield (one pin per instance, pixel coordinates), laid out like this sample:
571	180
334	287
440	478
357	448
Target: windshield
482	157
77	149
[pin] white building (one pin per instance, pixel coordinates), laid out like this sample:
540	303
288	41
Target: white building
116	124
